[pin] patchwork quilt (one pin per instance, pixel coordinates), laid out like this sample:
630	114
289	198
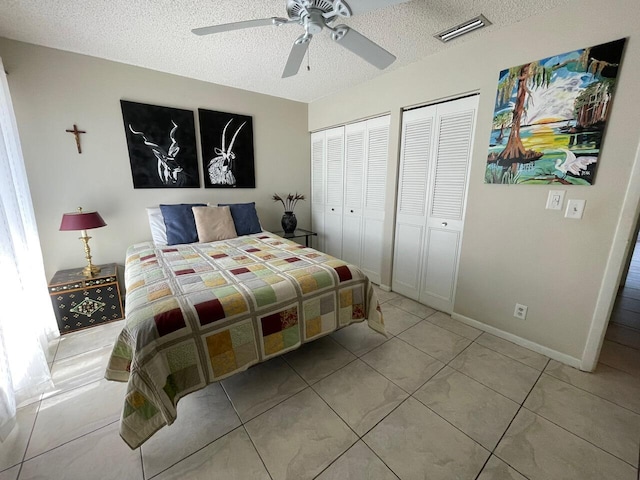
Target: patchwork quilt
198	313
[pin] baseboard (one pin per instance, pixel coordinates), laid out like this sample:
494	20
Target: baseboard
386	288
523	342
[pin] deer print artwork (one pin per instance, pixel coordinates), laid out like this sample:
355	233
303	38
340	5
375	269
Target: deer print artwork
222	166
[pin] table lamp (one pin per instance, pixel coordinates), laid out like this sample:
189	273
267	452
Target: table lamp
83	221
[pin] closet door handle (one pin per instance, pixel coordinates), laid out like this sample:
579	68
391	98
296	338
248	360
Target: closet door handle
444	224
351	211
333	209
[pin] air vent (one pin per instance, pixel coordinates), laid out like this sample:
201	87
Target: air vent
462	29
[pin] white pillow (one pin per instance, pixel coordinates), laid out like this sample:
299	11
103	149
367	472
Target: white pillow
156	224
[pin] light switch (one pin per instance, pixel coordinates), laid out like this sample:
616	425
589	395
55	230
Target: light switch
555	199
575	209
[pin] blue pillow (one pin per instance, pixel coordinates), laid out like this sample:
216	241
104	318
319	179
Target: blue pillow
180	223
245	217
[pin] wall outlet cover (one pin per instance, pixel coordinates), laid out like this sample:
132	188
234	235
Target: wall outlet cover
555	200
520	311
575	209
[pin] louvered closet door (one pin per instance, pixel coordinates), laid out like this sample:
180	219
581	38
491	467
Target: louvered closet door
411	215
334	191
375	183
355	137
449	177
318	163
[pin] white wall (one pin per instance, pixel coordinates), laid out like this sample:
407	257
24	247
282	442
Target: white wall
513	249
52	90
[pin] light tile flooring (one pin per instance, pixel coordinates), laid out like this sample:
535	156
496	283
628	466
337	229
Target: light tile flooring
624	325
437	400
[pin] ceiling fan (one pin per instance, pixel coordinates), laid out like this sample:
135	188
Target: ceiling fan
314	15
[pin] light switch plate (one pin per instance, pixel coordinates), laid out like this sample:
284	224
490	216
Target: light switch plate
555	200
575	209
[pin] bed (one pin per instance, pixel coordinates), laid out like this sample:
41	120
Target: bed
200	312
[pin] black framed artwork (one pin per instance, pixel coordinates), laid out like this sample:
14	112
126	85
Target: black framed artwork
227	149
162	146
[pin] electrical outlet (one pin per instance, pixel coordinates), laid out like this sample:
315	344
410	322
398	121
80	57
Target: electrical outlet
520	311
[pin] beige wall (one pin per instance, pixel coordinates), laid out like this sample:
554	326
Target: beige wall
513	249
52	90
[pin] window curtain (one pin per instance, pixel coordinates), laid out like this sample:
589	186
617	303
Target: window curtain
26	316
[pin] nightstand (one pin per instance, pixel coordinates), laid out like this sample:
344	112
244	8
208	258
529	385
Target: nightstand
81	302
298	233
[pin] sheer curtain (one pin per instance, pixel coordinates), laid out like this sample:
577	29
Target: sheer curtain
26	316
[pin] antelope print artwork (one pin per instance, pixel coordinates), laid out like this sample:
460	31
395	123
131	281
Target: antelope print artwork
169	170
227	149
222	165
162	146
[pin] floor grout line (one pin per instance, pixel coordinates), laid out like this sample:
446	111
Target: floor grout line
493	452
590	392
33	427
579	436
257	451
67	442
144	475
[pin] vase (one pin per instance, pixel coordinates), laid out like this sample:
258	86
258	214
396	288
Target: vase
289	222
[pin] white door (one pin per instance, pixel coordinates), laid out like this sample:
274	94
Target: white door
411	213
355	135
435	160
334	191
449	178
375	184
318	163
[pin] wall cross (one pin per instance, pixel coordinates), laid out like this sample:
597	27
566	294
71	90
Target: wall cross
77	133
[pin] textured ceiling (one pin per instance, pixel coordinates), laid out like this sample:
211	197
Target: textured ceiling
157	34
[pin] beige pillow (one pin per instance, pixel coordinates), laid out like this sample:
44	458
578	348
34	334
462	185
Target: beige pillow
214	223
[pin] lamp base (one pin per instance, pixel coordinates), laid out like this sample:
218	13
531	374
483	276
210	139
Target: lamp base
90	270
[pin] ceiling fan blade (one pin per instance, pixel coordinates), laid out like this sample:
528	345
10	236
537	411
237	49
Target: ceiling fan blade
359	7
363	47
227	27
296	56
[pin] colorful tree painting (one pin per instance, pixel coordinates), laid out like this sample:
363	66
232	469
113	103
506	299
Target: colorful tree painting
554	112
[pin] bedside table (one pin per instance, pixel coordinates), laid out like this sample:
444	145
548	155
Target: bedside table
298	233
81	302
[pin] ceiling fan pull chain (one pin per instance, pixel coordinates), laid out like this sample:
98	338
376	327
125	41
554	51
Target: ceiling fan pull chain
308	59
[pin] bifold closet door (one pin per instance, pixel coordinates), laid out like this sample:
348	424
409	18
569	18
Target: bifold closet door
366	155
411	215
349	178
435	160
374	196
334	144
354	158
318	164
449	174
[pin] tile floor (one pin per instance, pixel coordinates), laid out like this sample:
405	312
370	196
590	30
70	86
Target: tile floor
437	399
624	325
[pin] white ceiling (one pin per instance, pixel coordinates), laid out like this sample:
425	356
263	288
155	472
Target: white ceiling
157	34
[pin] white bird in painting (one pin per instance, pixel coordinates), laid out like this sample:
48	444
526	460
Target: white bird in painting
572	164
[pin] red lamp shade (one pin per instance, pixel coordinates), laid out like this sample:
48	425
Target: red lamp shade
81	220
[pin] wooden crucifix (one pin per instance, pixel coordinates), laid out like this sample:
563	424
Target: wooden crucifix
77	133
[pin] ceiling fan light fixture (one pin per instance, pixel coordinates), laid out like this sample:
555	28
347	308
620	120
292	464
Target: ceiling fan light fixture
469	26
